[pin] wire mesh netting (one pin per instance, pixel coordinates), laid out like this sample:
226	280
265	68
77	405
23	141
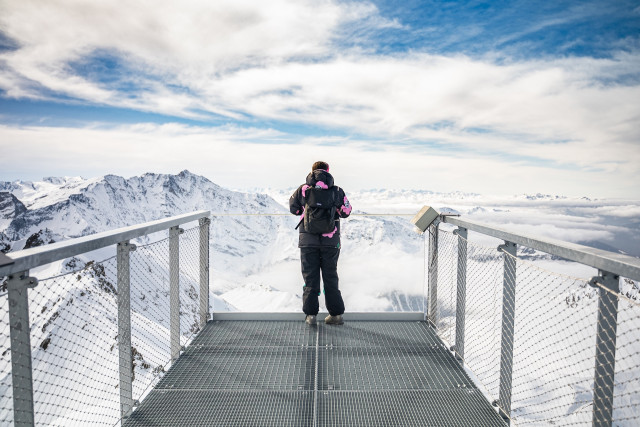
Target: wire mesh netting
626	393
483	307
554	334
74	333
554	347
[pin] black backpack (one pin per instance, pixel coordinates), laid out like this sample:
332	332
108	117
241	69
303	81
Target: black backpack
319	210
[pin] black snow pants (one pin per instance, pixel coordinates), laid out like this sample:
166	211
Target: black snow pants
315	260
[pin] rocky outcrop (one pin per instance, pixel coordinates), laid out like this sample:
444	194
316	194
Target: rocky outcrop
10	206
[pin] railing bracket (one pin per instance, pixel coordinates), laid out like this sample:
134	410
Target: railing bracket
606	280
503	414
127	246
507	247
25	280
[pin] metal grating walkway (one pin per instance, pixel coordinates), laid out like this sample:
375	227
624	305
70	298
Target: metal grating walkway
285	373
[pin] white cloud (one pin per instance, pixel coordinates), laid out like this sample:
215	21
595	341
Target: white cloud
519	105
283	61
209	34
244	158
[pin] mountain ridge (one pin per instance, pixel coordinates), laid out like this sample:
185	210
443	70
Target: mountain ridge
76	207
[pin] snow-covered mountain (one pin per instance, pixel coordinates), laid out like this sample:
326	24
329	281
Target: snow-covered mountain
254	258
62	208
10	209
254	263
73	207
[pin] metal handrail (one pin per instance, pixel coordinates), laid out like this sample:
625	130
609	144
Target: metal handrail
611	267
18	283
622	265
42	255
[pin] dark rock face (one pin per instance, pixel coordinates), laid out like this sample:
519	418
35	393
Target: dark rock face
42	237
10	206
5	243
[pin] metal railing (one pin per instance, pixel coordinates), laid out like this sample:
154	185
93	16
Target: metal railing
548	347
52	293
495	309
29	309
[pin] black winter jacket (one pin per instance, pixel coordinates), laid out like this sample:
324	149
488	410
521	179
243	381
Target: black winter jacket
322	179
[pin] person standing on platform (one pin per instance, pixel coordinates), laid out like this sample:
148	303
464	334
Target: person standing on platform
321	204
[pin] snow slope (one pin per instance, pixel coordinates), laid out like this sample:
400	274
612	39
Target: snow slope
255	267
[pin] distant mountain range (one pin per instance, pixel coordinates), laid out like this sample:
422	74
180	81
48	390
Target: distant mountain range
59	208
63	208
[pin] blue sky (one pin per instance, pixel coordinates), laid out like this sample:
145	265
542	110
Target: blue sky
499	97
512	29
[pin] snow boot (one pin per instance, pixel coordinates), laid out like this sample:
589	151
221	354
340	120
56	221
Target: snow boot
334	320
310	320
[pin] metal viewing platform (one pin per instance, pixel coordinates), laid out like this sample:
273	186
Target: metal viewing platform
287	373
131	340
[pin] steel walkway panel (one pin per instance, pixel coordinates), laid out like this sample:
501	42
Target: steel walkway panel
389	368
409	408
379	334
171	408
244	368
278	373
227	334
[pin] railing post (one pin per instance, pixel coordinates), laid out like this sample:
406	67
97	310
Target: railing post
432	312
204	270
124	327
461	290
174	290
605	368
508	321
18	285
